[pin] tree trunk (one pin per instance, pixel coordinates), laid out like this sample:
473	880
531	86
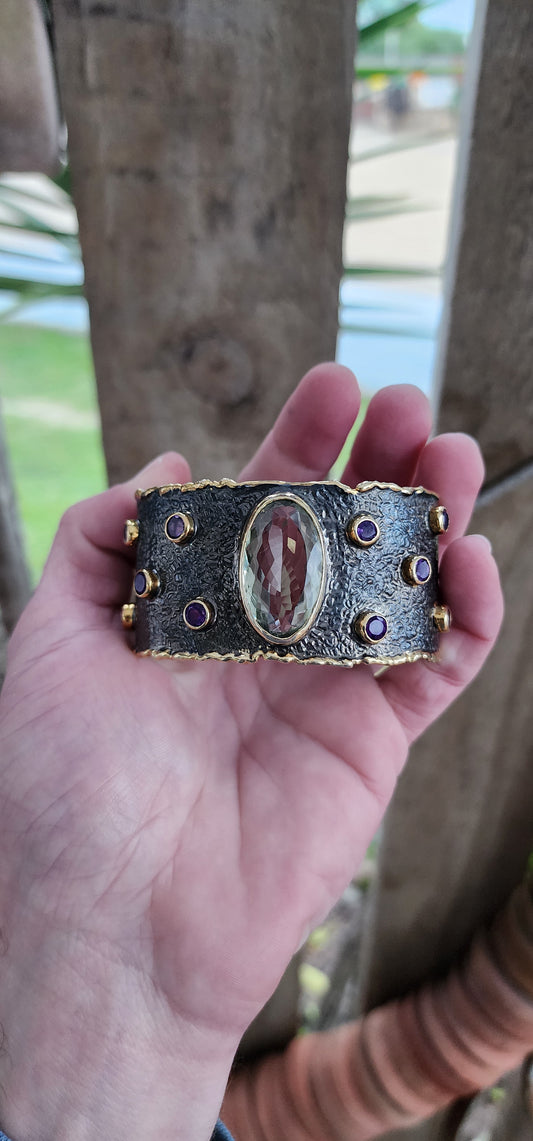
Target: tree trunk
208	145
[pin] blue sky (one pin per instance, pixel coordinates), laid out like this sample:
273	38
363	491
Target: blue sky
456	14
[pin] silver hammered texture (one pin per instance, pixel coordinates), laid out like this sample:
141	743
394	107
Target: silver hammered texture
358	579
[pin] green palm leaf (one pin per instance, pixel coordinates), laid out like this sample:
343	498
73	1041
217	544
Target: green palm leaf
399	15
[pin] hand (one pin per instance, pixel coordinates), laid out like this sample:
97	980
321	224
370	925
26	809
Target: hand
169	834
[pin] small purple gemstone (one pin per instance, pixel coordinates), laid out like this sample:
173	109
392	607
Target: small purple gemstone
140	582
196	614
445	519
175	527
366	530
376	627
422	569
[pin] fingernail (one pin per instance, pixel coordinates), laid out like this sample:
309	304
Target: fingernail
485	540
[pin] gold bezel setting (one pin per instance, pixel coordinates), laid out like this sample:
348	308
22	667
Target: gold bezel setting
410	573
439	520
188	527
128	615
442	618
207	607
303	630
361	627
351	531
152	583
131	532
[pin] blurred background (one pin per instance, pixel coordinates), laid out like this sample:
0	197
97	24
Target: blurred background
407	90
208	154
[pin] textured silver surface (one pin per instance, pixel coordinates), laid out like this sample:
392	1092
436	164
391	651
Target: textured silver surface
358	579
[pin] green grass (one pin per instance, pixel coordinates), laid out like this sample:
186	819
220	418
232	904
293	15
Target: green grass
52	466
46	365
340	463
56	466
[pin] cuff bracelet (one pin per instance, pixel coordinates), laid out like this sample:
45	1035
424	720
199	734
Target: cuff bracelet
308	572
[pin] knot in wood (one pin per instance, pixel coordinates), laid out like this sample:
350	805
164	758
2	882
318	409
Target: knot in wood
218	368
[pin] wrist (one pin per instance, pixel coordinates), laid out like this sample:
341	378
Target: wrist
91	1050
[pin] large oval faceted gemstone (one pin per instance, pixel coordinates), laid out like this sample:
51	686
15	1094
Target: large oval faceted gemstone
282	568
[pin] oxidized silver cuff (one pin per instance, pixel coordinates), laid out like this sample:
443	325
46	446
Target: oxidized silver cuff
308	572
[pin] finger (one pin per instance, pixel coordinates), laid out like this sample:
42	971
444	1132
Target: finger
311	429
452	465
88	560
391	437
419	692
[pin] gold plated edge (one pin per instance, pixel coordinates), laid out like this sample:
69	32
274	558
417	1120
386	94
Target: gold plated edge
299	634
368	485
413	656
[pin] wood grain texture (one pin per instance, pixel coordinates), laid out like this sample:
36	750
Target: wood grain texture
3	652
277	1022
485	362
515	1119
208	145
14	575
460	830
29	118
441	1127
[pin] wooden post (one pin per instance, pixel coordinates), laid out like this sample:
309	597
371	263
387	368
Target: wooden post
441	1127
3	652
208	145
460	830
14	576
29	118
515	1120
484	371
29	140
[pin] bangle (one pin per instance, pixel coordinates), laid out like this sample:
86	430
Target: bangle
308	572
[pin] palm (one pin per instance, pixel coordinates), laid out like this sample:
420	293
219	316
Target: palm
214	805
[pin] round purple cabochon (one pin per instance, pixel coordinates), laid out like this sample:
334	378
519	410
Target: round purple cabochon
422	569
376	627
196	614
366	530
140	583
175	527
